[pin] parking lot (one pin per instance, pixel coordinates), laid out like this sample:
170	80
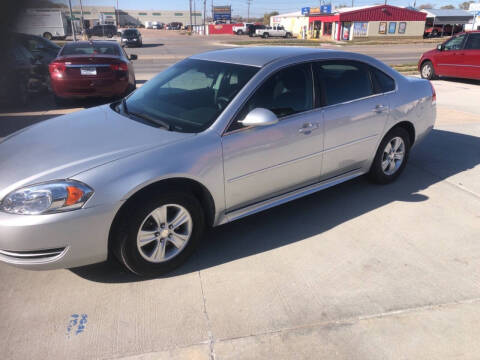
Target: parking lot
358	271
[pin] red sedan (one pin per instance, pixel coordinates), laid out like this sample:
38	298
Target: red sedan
457	57
92	69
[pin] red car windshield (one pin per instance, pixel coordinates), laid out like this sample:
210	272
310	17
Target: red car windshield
90	49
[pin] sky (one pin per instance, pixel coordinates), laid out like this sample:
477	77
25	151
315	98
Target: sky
257	7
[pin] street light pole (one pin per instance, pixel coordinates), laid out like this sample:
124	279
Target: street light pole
71	20
191	23
204	22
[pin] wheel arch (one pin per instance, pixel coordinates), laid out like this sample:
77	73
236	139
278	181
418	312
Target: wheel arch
177	183
408	127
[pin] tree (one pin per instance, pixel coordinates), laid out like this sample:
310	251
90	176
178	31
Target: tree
448	7
465	5
266	17
425	6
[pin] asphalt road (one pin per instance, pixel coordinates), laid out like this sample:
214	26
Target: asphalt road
358	271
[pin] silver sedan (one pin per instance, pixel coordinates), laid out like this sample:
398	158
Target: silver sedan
216	137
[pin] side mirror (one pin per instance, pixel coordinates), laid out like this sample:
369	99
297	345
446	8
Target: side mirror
133	57
440	47
259	117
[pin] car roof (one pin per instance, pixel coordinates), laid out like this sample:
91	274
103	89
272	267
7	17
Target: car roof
93	42
257	56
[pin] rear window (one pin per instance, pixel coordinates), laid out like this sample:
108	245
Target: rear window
382	83
90	49
130	32
341	81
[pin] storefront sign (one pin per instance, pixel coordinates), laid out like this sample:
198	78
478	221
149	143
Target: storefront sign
222	13
382	28
360	28
305	10
392	27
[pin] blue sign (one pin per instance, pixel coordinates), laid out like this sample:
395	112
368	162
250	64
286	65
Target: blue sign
326	9
222	17
305	10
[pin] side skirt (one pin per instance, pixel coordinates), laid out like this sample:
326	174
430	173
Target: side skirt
293	195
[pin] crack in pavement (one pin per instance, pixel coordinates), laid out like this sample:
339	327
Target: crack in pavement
211	339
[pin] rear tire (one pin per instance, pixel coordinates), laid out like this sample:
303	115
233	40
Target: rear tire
144	260
427	71
389	162
265	35
47	36
239	32
59	101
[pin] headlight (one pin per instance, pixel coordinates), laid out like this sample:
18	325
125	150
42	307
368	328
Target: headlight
124	39
50	197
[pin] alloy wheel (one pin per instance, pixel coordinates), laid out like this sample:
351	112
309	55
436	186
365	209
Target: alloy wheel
393	155
164	233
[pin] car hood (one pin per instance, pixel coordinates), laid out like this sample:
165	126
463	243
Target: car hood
61	147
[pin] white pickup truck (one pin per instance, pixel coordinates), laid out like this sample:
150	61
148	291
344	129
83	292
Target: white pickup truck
241	29
275	31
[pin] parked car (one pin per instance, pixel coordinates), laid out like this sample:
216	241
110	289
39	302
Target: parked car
439	30
241	29
131	37
26	75
41	48
457	57
92	69
103	31
214	138
49	24
253	28
275	31
158	26
174	26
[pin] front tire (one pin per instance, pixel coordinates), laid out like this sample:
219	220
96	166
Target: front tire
159	234
239	32
265	35
47	36
391	157
427	71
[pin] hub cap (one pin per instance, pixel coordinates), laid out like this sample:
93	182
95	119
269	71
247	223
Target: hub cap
426	71
164	233
393	156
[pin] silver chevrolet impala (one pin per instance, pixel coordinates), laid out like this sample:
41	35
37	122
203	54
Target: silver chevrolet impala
216	137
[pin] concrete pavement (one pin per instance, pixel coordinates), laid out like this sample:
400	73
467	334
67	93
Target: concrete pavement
358	271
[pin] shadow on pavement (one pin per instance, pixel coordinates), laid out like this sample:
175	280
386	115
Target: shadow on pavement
448	152
460	80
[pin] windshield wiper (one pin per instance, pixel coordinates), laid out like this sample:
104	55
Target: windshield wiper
149	119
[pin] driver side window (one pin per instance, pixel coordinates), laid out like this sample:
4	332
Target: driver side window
455	43
287	92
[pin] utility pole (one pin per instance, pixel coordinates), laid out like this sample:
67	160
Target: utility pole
116	15
191	23
248	10
204	22
71	20
195	12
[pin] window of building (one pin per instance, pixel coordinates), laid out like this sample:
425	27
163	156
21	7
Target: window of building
178	14
142	13
157	14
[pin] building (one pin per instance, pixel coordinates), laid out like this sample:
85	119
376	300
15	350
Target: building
93	15
474	9
294	22
377	21
442	17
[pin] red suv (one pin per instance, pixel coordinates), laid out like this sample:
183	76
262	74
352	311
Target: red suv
457	57
92	69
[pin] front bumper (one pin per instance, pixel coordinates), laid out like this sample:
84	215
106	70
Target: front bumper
131	42
84	88
53	241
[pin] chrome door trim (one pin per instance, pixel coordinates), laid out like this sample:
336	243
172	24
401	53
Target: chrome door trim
293	195
275	166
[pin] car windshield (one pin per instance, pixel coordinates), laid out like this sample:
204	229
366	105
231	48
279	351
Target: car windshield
130	33
190	95
90	49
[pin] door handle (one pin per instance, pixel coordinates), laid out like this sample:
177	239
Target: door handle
307	128
380	108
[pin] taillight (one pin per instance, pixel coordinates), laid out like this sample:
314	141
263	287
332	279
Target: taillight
57	69
434	95
119	67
